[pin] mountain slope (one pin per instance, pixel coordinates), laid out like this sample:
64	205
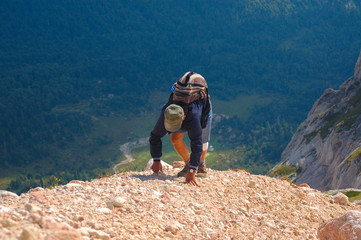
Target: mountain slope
326	149
140	205
76	77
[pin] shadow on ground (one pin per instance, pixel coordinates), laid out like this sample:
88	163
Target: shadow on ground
159	176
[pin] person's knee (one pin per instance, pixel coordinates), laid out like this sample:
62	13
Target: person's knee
176	138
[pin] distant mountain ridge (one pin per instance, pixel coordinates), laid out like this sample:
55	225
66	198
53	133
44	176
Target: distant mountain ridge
326	149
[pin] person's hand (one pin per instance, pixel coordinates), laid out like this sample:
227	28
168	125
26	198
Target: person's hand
191	179
157	167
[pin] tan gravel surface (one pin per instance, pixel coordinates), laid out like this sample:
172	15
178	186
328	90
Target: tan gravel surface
140	205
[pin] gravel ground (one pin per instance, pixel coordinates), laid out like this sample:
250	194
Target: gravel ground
141	205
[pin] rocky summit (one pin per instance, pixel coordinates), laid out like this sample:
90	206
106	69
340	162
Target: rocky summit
326	149
141	205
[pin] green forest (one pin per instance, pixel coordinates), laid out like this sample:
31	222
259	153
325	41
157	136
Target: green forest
79	78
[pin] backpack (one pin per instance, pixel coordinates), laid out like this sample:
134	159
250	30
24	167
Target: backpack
189	88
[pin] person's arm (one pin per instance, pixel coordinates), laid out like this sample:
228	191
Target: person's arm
194	129
195	135
156	143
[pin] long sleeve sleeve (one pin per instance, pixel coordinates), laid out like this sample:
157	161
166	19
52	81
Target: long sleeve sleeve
195	135
155	137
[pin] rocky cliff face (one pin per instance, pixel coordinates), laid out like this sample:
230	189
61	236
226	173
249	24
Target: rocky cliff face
326	149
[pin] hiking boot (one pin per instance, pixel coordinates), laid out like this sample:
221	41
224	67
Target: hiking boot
202	170
184	171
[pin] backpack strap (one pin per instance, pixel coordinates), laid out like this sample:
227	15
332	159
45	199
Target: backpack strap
188	77
187	80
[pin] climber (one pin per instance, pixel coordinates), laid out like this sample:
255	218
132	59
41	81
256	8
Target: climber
178	116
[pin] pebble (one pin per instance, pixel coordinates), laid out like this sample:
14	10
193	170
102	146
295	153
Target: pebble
30	234
116	202
341	199
96	234
104	210
32	208
73	185
252	184
8	223
64	235
4	209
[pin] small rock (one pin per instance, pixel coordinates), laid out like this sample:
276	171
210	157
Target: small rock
348	226
4	209
341	199
104	210
8	223
244	211
32	208
84	231
116	202
173	227
164	187
156	194
268	224
91	224
73	185
117	224
252	184
174	188
111	232
39	196
169	235
52	224
35	218
304	185
16	215
64	235
311	194
77	181
36	189
23	213
257	216
178	164
79	218
30	234
97	234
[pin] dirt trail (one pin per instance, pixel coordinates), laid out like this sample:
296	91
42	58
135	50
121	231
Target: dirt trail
127	148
